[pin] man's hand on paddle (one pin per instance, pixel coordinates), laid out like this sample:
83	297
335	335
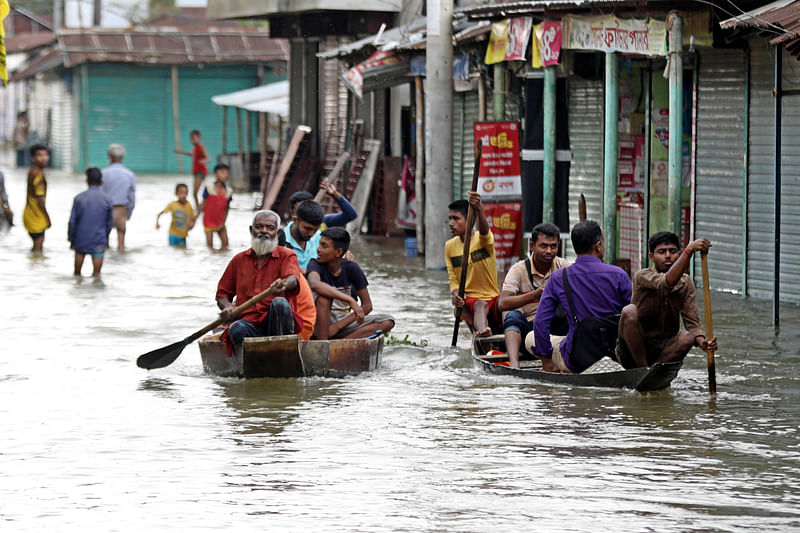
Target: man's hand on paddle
278	286
707	345
699	245
458	301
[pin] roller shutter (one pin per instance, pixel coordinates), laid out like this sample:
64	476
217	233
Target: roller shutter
720	163
465	114
586	102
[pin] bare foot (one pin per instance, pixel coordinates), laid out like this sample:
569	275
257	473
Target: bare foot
484	332
549	366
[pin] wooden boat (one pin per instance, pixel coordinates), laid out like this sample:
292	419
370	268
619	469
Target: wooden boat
289	357
656	377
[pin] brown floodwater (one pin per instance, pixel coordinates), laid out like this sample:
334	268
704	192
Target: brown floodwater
426	442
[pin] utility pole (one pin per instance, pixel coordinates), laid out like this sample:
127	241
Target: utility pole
675	63
98	7
438	130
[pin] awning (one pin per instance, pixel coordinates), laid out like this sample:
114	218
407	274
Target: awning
272	98
781	18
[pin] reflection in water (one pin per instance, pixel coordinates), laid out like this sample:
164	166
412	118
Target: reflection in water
424	443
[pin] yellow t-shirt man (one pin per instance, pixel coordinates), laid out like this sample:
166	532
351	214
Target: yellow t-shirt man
482	272
33	217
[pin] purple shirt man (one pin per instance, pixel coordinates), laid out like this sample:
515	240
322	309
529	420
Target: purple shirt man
597	289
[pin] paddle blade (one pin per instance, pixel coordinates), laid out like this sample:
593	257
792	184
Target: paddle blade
161	357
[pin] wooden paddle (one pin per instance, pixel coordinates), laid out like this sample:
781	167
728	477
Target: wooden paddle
166	355
582	208
467	237
712	372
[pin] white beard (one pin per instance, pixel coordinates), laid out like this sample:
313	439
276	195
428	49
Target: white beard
263	246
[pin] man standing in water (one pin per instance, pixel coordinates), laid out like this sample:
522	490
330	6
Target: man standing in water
524	285
120	184
480	301
289	308
35	216
649	325
90	223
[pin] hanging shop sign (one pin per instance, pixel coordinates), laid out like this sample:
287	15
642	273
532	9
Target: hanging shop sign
505	220
354	77
546	44
499	172
612	34
508	40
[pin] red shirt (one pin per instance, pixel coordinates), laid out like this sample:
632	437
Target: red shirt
243	279
198	153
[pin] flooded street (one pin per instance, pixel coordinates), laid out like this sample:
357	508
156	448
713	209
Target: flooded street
427	443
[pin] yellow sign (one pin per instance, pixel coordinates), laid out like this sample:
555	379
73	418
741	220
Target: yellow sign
498	38
4	9
504	222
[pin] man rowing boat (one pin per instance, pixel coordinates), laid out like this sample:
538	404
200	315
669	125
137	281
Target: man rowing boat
480	292
662	294
289	309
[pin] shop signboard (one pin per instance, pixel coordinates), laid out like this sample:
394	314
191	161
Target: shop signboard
546	44
508	40
505	221
499	174
609	33
354	77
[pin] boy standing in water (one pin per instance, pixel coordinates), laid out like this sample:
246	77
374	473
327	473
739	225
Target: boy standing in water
182	216
35	216
199	160
216	201
90	223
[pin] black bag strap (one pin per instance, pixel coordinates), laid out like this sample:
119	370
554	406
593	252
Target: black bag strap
569	296
528	268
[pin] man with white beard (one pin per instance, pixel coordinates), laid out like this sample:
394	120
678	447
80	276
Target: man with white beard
289	309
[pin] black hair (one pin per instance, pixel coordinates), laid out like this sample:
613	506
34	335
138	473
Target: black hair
662	237
299	196
339	237
178	186
94	176
546	229
585	235
221	166
36	147
462	206
195	132
311	212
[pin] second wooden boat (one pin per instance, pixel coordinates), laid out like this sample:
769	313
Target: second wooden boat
658	376
289	357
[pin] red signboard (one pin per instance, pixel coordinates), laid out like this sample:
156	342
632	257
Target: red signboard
499	172
505	220
551	42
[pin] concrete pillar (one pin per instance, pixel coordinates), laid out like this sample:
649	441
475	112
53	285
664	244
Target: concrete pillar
610	158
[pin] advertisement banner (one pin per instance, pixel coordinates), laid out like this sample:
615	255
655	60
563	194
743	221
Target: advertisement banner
499	173
546	44
611	34
354	77
519	31
505	220
498	37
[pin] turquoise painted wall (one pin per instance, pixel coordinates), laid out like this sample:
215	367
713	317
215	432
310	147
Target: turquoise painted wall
132	105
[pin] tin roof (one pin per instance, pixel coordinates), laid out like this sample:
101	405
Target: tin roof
517	9
170	45
271	98
781	18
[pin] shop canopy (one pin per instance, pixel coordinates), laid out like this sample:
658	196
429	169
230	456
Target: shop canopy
272	98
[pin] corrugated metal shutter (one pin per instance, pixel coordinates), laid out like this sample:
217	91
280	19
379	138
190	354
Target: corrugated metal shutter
131	105
720	163
761	206
586	102
790	182
465	114
62	132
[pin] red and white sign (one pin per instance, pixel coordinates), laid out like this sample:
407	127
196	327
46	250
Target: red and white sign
499	173
551	42
505	220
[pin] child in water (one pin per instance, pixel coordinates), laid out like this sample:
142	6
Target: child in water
182	216
216	202
199	157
